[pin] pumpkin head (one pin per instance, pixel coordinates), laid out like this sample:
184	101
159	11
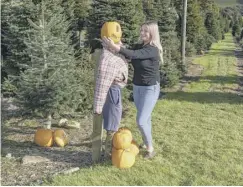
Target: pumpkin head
60	137
112	30
126	130
134	148
122	158
43	137
122	140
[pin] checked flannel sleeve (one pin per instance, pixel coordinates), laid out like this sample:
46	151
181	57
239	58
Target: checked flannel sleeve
107	71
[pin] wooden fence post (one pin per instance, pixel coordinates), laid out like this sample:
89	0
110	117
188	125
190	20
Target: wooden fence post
97	133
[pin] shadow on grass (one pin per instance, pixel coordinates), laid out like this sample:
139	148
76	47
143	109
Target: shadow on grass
205	97
228	53
214	79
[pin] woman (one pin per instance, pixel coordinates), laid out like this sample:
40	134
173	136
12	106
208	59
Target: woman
146	78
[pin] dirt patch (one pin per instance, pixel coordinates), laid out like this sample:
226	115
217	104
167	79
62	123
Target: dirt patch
193	74
17	142
194	71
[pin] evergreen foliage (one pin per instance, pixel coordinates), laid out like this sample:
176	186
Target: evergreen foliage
14	27
128	13
45	44
51	82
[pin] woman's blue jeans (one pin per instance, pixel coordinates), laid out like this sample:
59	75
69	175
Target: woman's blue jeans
145	98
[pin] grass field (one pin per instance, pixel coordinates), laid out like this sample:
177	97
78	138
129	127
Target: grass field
198	134
228	2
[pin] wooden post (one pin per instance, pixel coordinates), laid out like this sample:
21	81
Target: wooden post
97	119
183	42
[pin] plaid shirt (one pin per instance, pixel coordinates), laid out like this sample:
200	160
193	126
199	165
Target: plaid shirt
112	69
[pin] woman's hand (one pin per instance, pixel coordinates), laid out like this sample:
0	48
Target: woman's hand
110	44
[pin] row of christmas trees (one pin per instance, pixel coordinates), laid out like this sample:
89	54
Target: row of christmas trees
46	44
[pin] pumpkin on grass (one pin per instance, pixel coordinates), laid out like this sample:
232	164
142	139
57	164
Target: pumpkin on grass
122	158
134	148
112	30
60	137
43	137
126	130
122	140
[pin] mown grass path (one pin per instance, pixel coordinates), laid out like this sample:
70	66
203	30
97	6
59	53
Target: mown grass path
197	132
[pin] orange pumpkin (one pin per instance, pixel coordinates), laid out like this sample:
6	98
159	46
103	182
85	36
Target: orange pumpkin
43	137
122	140
112	30
122	158
60	137
126	130
134	148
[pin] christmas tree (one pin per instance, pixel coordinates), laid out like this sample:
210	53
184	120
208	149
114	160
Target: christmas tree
51	82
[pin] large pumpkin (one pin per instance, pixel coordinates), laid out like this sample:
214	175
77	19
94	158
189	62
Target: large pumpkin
60	137
112	30
134	148
122	158
122	140
126	130
43	137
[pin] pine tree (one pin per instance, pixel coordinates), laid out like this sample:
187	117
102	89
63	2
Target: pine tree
14	27
195	25
165	14
236	30
100	12
51	82
128	13
212	21
212	25
236	23
196	31
77	12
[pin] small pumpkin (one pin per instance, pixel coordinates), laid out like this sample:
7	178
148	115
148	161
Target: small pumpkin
43	137
111	30
126	130
122	158
122	140
134	148
60	137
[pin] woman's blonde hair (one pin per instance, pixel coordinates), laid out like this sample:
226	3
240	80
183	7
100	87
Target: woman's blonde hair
155	38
